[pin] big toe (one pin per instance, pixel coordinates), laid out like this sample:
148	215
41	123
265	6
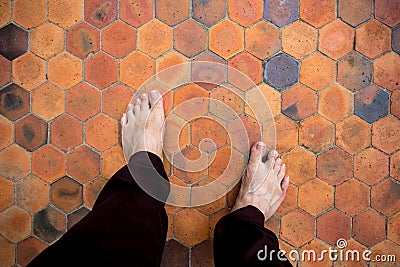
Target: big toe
257	152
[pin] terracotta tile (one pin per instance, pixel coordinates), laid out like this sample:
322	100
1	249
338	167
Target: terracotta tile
396	39
395	166
319	248
5	71
327	229
116	99
243	132
311	73
172	12
208	12
174	254
65	13
384	248
102	132
29	71
100	13
101	70
227	103
136	13
352	197
5	16
31	132
317	13
173	70
112	160
190	38
334	166
6	193
352	134
135	69
47	101
214	197
281	13
66	194
14	163
273	224
373	39
301	165
393	227
83	39
189	165
190	101
245	12
299	102
354	12
119	39
352	245
65	70
386	70
227	166
49	224
7	253
316	134
83	101
66	132
202	255
312	191
335	103
209	130
385	197
395	103
179	197
244	71
384	134
354	72
369	228
29	14
13	41
83	164
371	103
14	102
336	39
191	227
226	39
32	193
154	32
281	71
6	132
287	135
177	134
76	216
48	163
297	227
386	11
92	190
262	40
208	70
47	40
214	219
28	249
299	39
260	96
286	247
290	202
15	224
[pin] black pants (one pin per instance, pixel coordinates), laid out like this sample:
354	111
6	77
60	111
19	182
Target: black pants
127	227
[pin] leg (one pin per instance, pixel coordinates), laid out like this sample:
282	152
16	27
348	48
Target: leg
240	238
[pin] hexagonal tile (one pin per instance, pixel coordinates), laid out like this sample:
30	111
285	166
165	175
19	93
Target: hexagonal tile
298	102
135	69
385	197
29	71
354	12
7	254
243	132
49	224
281	13
190	38
373	39
304	168
190	101
211	130
316	134
116	99
258	97
6	14
31	132
197	196
154	32
83	39
299	39
395	103
226	103
297	227
202	254
386	11
245	13
177	134
6	194
83	101
318	247
289	203
66	132
227	167
47	40
317	13
14	163
76	216
136	14
262	40
5	71
385	248
174	253
386	70
336	39
13	41
245	71
48	163
83	164
384	134
15	224
47	102
65	70
209	12
371	103
14	102
100	13
369	228
32	193
184	230
226	39
317	71
208	70
396	39
119	39
352	197
101	70
393	227
190	173
287	131
102	132
312	190
173	70
65	13
327	226
172	12
6	132
335	103
334	166
92	190
281	71
29	14
112	160
395	166
66	194
352	134
29	249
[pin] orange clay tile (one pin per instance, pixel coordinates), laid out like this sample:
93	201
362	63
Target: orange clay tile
31	132
245	12
190	101
300	165
262	40
317	71
384	248
83	101
352	197
29	14
287	135
15	224
32	193
65	70
66	132
100	12
319	247
227	173
214	219
83	39
48	163
221	162
258	97
395	103
354	12
245	71
286	247
212	193
172	12
190	38
6	132
373	39
14	163
28	249
385	197
92	189
394	228
227	103
386	71
6	194
336	39
179	194
226	39
5	71
154	32
369	228
299	39
395	166
184	230
111	161
173	69
208	70
119	39
136	13
65	13
101	70
208	128
210	12
371	166
297	227
384	134
327	226
116	100
66	194
334	166
290	202
135	69
102	132
317	13
177	134
335	103
83	164
243	132
316	134
5	15
190	173
47	40
312	190
387	12
14	102
53	229
298	102
47	101
273	224
352	134
29	71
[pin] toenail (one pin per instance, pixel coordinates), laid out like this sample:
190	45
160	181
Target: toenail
153	94
260	146
144	96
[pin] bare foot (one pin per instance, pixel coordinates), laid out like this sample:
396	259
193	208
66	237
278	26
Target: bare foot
264	184
143	125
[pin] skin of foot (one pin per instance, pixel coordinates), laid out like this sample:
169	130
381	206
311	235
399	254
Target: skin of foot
264	184
143	125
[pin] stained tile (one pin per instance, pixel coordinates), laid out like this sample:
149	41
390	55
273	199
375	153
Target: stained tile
371	103
245	13
258	97
135	69
100	13
386	11
83	101
352	134
175	254
5	71
32	193
226	39
65	70
6	193
317	71
47	40
262	40
15	224
208	12
312	190
112	160
48	163
304	169
101	70
395	166
287	131
352	197
66	194
384	134
14	102
136	13
386	70
28	249
226	103
83	39
281	13
299	39
202	255
47	101
49	224
335	103
13	41
92	190
6	132
290	202
65	13
5	16
354	12
83	164
373	39
31	132
184	230
385	197
208	70
297	227
316	134
14	163
154	32
245	71
116	99
172	12
336	39
190	38
66	132
298	102
396	39
327	226
384	248
369	228
76	216
393	227
334	166
119	39
102	132
190	97
317	13
29	14
173	70
281	71
29	71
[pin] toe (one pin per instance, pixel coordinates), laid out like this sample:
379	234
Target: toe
278	164
285	183
129	112
273	154
145	102
281	172
257	152
123	120
137	105
156	102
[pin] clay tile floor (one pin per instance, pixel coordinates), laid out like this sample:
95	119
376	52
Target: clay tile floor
317	80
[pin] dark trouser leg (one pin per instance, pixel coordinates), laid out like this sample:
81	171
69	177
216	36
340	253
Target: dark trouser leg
126	227
240	235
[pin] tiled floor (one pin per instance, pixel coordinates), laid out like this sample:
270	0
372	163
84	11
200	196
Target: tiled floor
330	71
